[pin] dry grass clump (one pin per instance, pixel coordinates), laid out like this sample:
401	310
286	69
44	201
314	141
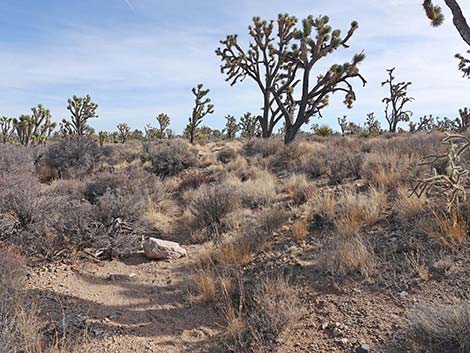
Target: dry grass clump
408	206
258	191
321	207
294	157
343	165
299	188
299	229
448	229
204	284
227	155
388	169
442	328
348	254
263	147
259	315
210	205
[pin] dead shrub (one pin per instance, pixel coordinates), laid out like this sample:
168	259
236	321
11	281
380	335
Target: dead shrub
442	328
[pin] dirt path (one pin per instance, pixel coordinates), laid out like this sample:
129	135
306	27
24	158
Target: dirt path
129	306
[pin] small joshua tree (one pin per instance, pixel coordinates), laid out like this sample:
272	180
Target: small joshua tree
35	128
231	127
343	124
82	109
124	132
6	129
249	126
102	138
202	107
395	111
464	120
372	125
163	122
425	123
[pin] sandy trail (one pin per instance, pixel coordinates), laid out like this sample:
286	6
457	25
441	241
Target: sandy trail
133	305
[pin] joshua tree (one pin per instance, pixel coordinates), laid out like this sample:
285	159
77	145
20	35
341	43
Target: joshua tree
436	16
35	128
425	123
263	62
124	132
343	124
202	107
82	109
372	125
102	137
6	129
464	120
163	122
231	127
315	40
395	103
249	126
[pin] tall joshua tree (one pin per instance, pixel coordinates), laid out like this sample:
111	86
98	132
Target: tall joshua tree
436	16
82	109
262	61
231	127
202	107
314	41
163	122
6	129
395	111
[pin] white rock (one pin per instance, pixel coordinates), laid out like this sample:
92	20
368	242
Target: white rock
157	249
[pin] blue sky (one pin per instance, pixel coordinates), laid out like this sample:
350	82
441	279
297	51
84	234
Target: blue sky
137	58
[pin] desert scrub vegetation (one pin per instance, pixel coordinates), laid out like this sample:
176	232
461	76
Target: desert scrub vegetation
442	328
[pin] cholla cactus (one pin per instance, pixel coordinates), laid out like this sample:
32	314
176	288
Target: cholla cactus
6	129
124	132
249	126
231	127
202	107
453	181
82	109
163	122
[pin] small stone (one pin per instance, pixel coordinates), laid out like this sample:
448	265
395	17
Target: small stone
363	348
157	249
